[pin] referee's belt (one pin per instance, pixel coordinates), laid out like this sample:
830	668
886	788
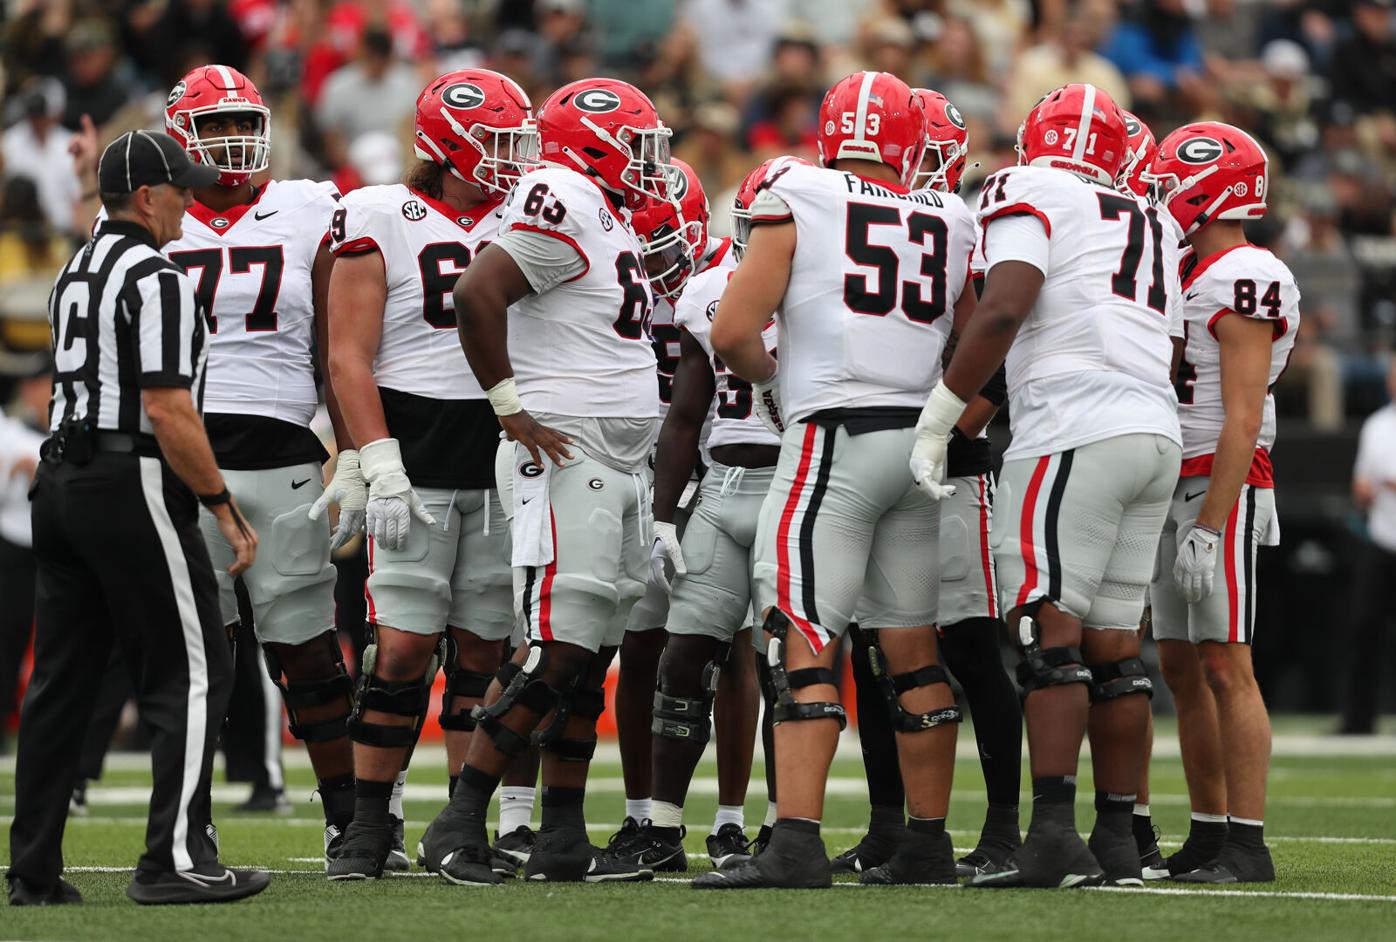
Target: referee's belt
75	443
126	443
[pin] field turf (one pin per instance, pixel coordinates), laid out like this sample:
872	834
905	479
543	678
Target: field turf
1331	826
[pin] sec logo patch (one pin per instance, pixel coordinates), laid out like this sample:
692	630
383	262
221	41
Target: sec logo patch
413	211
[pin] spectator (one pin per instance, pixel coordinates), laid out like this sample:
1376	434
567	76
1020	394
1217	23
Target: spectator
997	26
733	39
38	144
374	93
31	254
1158	52
792	127
98	82
452	39
888	46
562	34
959	74
1363	70
1065	55
33	41
629	32
1374	491
709	148
161	44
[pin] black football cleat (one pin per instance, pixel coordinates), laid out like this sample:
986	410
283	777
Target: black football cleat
1152	865
795	859
471	865
920	860
206	883
1235	864
1117	853
874	850
762	841
619	842
516	846
398	861
564	855
654	848
728	847
998	839
24	893
363	850
1052	856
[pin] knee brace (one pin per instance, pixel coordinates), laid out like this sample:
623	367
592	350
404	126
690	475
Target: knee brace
460	683
524	686
1120	679
409	698
297	695
784	683
894	685
1046	667
689	719
584	702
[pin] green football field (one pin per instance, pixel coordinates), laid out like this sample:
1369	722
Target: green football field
1331	826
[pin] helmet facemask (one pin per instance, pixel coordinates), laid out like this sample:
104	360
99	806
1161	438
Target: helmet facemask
236	154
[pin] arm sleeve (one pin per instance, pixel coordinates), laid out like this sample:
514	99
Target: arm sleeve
1016	238
162	327
545	259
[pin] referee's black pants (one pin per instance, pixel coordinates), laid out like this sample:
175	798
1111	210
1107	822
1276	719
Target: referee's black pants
120	560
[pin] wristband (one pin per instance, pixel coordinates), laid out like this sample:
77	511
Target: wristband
504	397
213	500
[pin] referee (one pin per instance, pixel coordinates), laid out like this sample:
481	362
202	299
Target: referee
119	555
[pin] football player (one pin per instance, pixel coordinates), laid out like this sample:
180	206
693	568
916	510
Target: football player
866	276
552	319
261	267
438	541
1079	285
708	597
969	619
1242	314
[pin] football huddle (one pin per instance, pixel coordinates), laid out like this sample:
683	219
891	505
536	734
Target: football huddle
576	428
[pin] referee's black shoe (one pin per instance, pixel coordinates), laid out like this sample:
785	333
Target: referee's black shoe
206	883
24	893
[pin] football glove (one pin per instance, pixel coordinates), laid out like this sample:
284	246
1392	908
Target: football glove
348	490
665	549
765	399
1195	566
942	410
391	501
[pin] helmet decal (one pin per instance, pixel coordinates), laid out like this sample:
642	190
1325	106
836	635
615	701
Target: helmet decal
597	100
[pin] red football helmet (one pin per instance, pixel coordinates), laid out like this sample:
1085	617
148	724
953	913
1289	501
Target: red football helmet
674	231
746	195
479	125
873	116
1078	128
947	144
1209	171
220	89
1142	148
609	130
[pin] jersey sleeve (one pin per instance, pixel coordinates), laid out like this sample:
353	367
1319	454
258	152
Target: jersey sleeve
354	225
162	328
552	204
1250	283
1016	191
545	261
1016	238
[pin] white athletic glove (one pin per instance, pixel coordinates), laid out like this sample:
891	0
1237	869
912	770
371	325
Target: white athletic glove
765	399
1196	564
348	490
942	410
665	549
391	501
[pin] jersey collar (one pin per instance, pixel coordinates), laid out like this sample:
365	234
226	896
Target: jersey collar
1209	261
715	258
220	223
131	230
894	187
467	220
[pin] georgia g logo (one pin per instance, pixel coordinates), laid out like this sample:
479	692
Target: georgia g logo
597	100
463	95
953	114
176	93
1132	126
1199	150
678	184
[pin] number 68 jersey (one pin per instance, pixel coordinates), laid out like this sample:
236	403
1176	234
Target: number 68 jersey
1245	281
425	245
875	278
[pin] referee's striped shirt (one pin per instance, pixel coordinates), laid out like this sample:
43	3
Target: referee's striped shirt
123	317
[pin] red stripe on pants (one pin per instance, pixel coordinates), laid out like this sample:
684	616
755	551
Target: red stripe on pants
1025	530
545	593
1233	595
368	596
787	515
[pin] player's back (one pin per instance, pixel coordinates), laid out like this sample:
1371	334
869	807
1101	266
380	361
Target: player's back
874	282
1092	359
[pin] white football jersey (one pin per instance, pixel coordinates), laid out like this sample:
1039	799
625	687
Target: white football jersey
1249	282
872	291
425	245
580	348
251	267
1092	360
733	421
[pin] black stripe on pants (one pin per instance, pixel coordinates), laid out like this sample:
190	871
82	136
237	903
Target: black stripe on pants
121	560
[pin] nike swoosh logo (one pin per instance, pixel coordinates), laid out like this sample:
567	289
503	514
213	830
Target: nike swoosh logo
228	877
261	216
524	500
297	485
1191	297
1187	497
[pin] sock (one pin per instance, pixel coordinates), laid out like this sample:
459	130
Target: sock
1206	834
1247	833
451	786
1114	812
876	737
1000	825
729	814
395	802
770	820
970	649
665	814
932	827
637	808
884	817
515	807
798	825
371	801
1054	789
473	791
562	807
337	798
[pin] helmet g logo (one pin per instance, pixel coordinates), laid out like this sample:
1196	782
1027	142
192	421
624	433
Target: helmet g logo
678	184
176	93
953	114
597	100
463	95
1199	150
1132	127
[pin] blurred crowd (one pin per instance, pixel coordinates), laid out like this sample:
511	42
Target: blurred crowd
740	80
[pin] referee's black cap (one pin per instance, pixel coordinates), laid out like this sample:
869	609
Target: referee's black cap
148	158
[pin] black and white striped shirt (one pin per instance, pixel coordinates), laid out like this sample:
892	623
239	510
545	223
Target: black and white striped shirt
123	318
